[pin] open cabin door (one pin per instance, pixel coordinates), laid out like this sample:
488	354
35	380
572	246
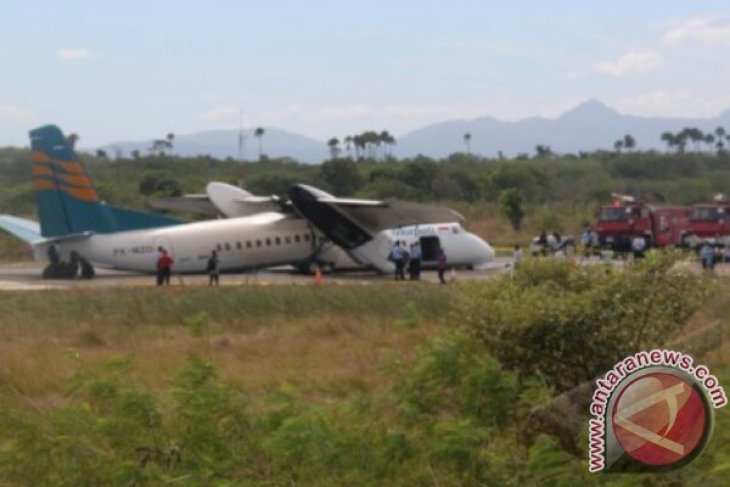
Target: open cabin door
430	247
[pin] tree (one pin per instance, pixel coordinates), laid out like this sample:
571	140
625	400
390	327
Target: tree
510	203
543	151
618	145
348	145
135	154
101	154
334	145
709	140
342	175
669	139
259	134
388	142
720	134
629	142
467	142
170	138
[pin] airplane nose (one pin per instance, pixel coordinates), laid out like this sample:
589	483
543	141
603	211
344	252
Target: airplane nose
484	253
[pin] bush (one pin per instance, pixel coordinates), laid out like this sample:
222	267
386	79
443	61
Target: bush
569	323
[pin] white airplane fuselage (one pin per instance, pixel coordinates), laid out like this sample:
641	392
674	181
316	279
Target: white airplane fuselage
263	240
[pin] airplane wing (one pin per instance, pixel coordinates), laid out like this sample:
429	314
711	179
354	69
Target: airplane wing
351	223
373	215
26	230
396	213
197	204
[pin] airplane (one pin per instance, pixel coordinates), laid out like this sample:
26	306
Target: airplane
79	225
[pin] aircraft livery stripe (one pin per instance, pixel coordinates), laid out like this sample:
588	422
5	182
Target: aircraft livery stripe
73	167
74	180
85	194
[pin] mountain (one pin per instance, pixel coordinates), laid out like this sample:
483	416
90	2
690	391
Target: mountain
589	126
224	143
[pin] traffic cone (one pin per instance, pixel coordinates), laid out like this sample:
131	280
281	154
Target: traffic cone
318	276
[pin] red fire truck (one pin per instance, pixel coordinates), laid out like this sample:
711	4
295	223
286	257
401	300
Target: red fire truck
660	225
709	222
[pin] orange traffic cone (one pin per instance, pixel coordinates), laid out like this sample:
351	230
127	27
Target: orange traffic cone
318	276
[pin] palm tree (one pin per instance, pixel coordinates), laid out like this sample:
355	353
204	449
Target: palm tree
259	134
334	145
695	135
389	142
709	140
467	142
618	145
720	134
359	143
170	137
670	140
348	145
629	142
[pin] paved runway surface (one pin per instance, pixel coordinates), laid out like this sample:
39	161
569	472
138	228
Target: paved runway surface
27	277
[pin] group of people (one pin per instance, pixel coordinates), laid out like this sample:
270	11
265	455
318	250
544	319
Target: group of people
410	257
711	255
165	261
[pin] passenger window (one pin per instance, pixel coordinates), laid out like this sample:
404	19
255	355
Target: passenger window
306	237
238	245
287	240
228	246
278	241
268	242
248	244
219	247
296	237
258	243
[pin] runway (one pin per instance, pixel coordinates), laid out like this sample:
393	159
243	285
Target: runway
27	277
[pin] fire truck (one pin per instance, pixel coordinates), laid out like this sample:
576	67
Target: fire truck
709	222
660	225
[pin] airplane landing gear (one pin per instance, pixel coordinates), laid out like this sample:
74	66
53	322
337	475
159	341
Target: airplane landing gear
59	269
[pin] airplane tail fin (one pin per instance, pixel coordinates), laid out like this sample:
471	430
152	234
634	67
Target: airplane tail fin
67	200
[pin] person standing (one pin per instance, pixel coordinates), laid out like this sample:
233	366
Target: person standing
441	263
516	258
397	255
638	246
160	274
164	268
586	238
214	271
415	267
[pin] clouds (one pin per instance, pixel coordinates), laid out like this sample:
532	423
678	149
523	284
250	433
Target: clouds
73	54
630	63
708	31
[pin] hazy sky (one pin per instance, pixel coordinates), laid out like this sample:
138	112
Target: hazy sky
141	69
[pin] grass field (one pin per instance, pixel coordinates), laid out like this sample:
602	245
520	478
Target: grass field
343	351
324	341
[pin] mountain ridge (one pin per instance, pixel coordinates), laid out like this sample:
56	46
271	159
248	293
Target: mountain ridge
590	125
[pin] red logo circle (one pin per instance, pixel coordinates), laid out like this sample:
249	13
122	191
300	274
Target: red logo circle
659	419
